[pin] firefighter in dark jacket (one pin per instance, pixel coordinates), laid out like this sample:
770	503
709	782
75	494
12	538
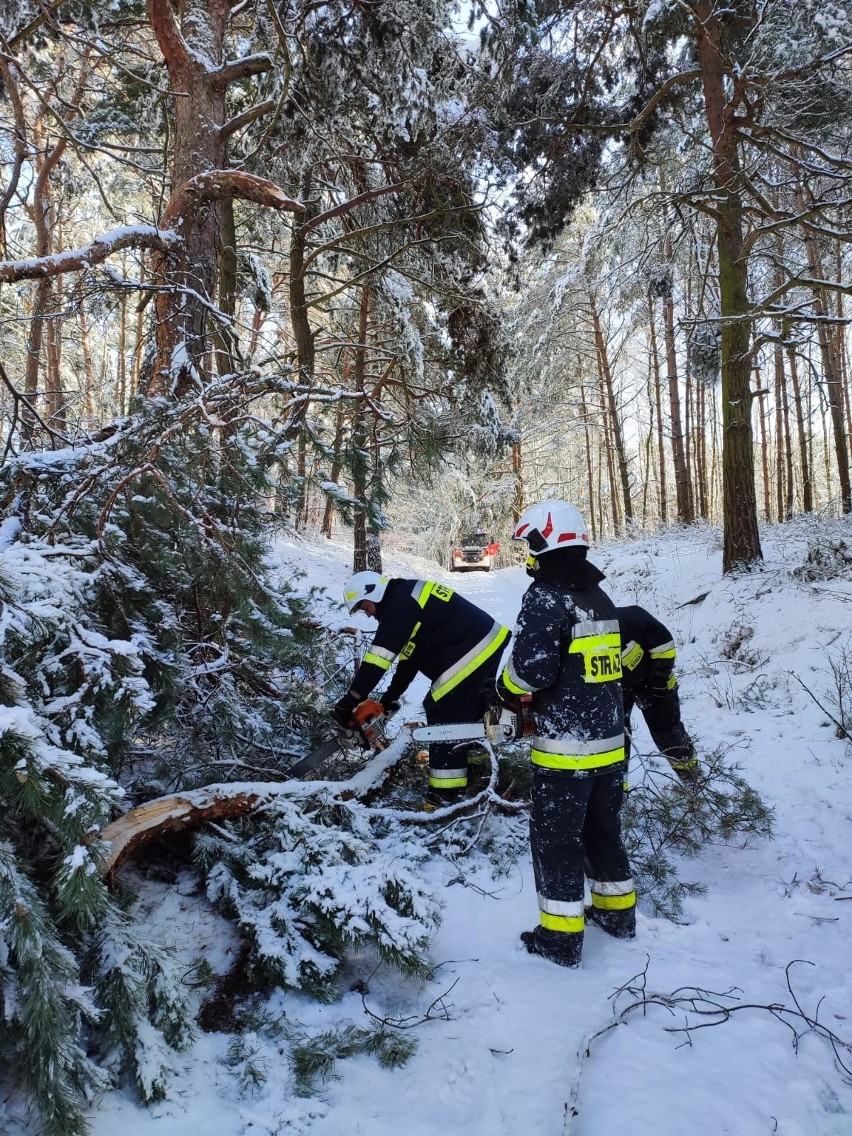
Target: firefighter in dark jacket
566	653
431	629
648	681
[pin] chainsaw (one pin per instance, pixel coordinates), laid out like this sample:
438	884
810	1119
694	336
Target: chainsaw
366	720
498	724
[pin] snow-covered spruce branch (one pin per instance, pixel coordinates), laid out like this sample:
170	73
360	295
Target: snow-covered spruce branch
706	1008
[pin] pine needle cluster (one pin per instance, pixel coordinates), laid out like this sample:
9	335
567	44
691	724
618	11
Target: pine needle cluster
665	819
141	629
312	883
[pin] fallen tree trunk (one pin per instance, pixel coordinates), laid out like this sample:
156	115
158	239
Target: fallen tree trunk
174	813
178	811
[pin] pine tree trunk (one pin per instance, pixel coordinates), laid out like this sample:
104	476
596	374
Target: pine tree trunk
760	394
783	440
122	346
701	450
741	536
518	475
340	422
610	404
224	334
831	358
658	401
804	454
681	473
590	472
361	551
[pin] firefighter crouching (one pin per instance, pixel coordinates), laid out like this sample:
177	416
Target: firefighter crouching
649	682
428	628
566	653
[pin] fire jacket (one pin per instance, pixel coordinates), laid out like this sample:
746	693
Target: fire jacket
430	628
647	652
567	653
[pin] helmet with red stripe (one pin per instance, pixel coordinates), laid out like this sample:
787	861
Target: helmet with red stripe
551	525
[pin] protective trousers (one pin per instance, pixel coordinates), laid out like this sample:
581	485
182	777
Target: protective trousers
661	711
467	702
575	832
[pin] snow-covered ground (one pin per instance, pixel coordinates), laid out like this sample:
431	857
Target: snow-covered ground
514	1045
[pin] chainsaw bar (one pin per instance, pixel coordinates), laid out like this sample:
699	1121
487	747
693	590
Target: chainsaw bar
367	720
502	727
316	757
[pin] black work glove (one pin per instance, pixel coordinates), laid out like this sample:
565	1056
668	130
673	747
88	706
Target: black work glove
659	676
390	703
348	734
343	708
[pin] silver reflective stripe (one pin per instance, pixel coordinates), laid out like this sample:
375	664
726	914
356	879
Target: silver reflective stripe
662	648
611	887
447	774
576	747
496	631
419	588
595	627
383	653
569	909
519	682
631	655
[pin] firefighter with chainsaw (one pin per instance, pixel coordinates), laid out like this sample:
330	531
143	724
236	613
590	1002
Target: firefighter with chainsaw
429	628
566	654
649	681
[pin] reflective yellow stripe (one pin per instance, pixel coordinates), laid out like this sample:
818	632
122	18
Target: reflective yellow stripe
690	763
451	678
437	781
601	656
512	681
423	589
408	650
671	682
664	651
570	923
614	902
568	761
377	660
478	758
631	655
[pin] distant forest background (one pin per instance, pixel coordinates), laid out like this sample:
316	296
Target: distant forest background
454	256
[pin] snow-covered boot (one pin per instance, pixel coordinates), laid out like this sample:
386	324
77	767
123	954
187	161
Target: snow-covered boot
565	949
619	924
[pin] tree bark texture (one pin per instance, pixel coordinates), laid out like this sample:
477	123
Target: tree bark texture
741	536
611	413
658	407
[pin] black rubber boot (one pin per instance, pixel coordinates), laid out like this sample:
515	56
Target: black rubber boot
619	924
562	948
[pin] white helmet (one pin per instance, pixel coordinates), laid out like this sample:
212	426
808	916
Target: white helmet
550	525
364	586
